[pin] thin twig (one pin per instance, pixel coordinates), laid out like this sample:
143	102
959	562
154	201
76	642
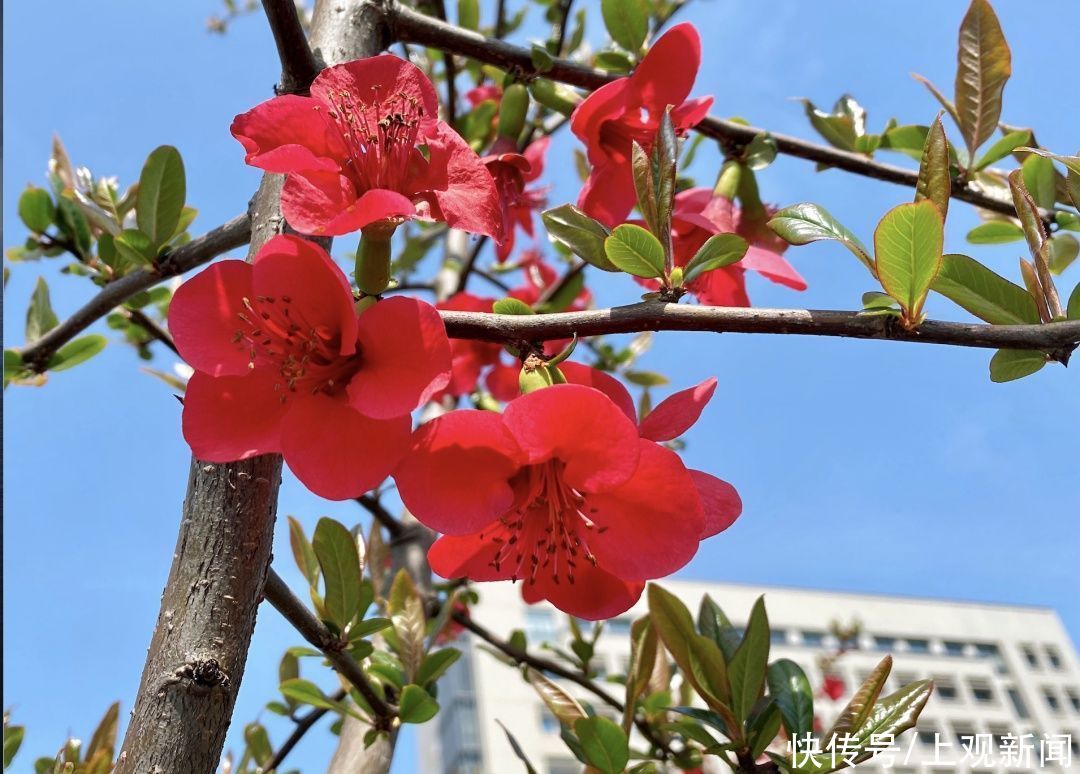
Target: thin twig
372	505
416	28
555	288
278	594
298	66
449	69
656	316
195	253
552	667
470	265
152	328
564	18
303	725
503	286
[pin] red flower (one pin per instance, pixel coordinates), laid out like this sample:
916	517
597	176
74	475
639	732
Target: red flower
283	364
833	687
469	357
559	491
479	94
699	214
512	172
367	146
630	109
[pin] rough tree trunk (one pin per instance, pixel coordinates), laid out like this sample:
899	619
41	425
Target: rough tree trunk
199	649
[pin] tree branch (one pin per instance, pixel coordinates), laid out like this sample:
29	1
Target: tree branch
407	25
303	725
381	515
298	66
278	594
195	253
553	667
152	329
656	316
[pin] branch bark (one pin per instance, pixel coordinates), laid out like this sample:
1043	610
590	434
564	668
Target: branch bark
657	316
412	27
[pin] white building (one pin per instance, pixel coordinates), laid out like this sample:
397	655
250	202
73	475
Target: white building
1000	670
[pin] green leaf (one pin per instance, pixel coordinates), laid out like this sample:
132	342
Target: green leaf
518	751
643	645
748	666
73	223
468	14
907	247
306	692
763	728
1003	147
861	705
995	232
436	664
542	59
1063	251
614	62
1027	211
944	101
908	139
303	553
635	251
892	716
605	745
136	247
416	705
761	151
790	689
336	551
627	22
40	317
1009	364
1072	311
836	129
580	234
935	180
714	624
511	306
1072	163
1068	221
161	194
804	223
103	739
1040	180
13	738
76	351
718	251
258	743
36	209
562	705
646	378
983	65
984	293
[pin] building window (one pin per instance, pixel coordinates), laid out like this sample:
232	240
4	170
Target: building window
1030	656
981	691
954	648
918	646
563	766
1018	704
619	626
778	636
927	737
540	625
1053	657
945	689
986	650
965	736
887	644
466	763
549	724
1052	700
1074	699
813	639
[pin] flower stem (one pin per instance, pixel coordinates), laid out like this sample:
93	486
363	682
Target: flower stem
373	260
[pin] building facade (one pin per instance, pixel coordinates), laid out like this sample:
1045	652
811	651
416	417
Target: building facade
1007	695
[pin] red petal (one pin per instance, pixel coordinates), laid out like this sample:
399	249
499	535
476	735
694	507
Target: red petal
327	204
469	556
318	293
374	80
594	595
534	154
337	452
580	426
405	358
773	267
667	73
608	103
579	373
719	500
456	477
290	134
457	184
677	413
503	382
608	194
690	113
651	525
229	418
721	287
203	318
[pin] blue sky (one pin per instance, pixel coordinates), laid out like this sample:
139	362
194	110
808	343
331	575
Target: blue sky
865	466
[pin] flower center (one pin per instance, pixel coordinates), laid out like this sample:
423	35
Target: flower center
305	355
548	528
381	135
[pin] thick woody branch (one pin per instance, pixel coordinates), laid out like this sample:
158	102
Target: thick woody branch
523	657
313	630
195	253
298	66
657	316
410	26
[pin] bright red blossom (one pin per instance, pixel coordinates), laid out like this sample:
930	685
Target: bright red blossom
561	492
368	146
698	214
629	109
512	173
833	687
283	364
